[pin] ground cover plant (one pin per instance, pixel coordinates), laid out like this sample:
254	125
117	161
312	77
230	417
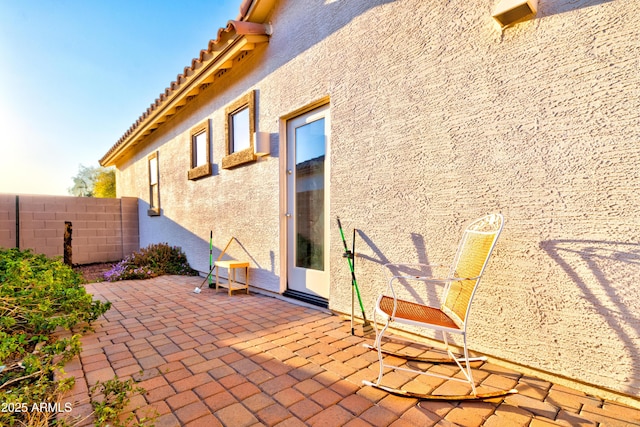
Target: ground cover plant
155	260
39	296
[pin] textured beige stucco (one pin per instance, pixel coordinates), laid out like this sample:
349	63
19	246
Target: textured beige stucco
438	117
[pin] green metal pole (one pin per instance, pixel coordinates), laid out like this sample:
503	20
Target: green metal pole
349	255
210	256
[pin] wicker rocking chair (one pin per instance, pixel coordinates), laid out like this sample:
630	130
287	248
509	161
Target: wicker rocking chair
451	316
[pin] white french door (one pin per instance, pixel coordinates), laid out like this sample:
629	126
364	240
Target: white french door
308	203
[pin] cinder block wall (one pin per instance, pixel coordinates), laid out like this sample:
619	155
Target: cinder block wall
103	229
7	220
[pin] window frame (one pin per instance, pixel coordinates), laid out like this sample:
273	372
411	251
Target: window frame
154	210
246	155
205	169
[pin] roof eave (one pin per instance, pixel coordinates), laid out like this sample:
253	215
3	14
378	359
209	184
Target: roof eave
237	37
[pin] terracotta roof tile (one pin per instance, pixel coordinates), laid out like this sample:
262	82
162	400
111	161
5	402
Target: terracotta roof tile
244	8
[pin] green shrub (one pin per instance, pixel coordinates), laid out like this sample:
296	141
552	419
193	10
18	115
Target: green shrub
154	260
115	398
38	295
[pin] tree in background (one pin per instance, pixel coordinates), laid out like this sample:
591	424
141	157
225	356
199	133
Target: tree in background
105	183
94	182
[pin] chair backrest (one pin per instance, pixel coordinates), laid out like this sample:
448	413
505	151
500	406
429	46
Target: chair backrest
472	256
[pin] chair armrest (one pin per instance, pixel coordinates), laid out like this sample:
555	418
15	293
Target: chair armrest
433	278
427	279
415	264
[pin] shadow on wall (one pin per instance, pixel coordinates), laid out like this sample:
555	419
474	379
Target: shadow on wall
606	274
342	12
328	17
562	6
426	294
161	229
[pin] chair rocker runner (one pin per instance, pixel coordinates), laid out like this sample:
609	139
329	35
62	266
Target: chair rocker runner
459	287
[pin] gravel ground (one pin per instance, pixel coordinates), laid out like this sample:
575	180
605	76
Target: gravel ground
93	272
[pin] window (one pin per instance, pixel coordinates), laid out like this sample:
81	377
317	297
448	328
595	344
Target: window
154	186
240	136
199	147
200	151
240	129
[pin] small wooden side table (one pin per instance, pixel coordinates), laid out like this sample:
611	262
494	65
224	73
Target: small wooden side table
232	266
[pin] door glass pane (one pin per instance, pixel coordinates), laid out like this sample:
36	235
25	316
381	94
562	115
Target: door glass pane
310	154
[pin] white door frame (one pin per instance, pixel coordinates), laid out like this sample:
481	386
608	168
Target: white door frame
283	187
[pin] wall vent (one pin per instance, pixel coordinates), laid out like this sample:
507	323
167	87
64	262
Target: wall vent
242	55
509	12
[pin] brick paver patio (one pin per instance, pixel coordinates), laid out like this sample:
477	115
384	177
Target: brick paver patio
209	359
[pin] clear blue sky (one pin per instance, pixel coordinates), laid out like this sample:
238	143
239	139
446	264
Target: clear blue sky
75	74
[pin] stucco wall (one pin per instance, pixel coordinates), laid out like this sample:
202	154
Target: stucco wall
241	202
104	230
439	117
